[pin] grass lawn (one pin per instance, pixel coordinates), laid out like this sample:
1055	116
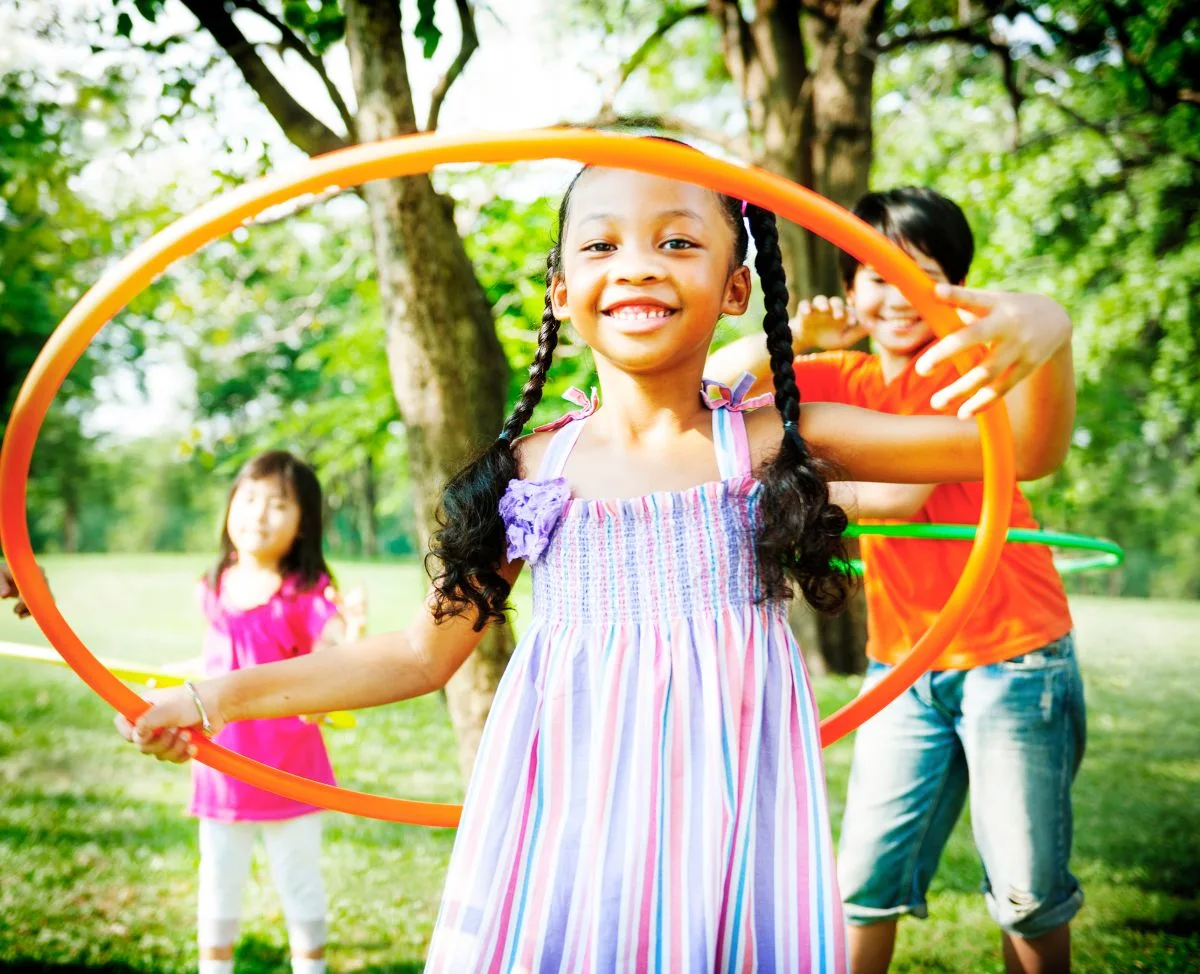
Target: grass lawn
99	862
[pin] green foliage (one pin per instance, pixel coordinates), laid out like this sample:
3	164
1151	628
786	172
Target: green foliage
321	24
54	242
681	75
282	330
50	237
508	242
1103	217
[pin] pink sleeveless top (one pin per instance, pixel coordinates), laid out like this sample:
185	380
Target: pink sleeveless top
287	625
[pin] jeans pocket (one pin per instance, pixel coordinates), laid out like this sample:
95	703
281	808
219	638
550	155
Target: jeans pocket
1056	654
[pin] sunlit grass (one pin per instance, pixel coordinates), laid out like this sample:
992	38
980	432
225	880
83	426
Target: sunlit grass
99	861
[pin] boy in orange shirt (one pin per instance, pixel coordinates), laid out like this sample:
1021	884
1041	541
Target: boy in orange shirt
1002	708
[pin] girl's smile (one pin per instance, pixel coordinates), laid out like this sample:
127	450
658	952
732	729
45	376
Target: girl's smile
647	269
263	519
638	315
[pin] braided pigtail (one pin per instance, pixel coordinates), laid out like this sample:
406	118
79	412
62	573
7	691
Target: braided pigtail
470	546
801	536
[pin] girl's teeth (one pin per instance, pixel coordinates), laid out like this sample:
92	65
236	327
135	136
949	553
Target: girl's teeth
640	315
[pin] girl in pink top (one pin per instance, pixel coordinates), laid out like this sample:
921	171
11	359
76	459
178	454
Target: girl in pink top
268	598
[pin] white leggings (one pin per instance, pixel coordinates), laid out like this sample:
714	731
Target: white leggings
294	853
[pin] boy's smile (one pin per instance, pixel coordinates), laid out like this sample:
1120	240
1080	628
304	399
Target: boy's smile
892	322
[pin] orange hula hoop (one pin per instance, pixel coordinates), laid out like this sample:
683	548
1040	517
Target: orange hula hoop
412	155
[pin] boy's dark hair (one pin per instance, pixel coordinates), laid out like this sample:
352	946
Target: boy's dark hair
801	534
305	560
922	219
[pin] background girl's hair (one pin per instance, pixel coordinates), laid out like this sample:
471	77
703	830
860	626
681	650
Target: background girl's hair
305	560
921	218
802	529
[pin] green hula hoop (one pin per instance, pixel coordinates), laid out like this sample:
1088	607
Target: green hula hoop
1108	554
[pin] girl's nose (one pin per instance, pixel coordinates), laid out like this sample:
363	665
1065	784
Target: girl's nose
637	267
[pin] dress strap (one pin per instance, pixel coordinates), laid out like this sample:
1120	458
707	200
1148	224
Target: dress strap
569	427
733	446
729	425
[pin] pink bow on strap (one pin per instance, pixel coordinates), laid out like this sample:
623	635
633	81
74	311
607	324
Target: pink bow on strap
717	395
577	396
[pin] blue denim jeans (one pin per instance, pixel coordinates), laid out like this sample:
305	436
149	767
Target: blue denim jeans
1014	732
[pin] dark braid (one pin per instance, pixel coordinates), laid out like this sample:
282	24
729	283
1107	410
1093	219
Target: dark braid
801	535
531	394
471	544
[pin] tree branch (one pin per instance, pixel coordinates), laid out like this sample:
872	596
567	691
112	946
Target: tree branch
289	40
976	33
1008	68
666	123
300	126
826	11
285	211
1158	93
737	41
1111	31
665	23
470	41
967	34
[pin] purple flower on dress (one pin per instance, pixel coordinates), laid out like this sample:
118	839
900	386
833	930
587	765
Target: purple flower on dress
531	510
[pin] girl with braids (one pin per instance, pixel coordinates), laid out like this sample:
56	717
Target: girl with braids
649	792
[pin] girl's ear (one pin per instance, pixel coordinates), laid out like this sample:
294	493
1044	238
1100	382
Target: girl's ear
558	299
737	292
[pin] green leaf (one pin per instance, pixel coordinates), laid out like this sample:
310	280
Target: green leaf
427	30
148	8
124	25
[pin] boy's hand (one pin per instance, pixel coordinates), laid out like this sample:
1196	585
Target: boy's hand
1022	332
353	607
825	323
350	623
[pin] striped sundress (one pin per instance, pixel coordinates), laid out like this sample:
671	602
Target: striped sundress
649	793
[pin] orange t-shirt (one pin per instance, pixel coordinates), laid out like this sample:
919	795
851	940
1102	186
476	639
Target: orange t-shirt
908	581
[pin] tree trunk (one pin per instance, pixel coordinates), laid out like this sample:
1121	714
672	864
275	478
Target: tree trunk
370	508
841	143
841	149
766	58
71	524
448	370
807	86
